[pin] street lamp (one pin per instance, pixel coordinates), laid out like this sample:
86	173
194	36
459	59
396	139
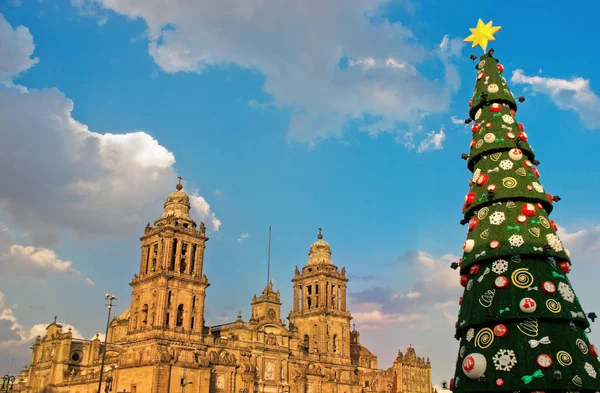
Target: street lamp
109	305
8	382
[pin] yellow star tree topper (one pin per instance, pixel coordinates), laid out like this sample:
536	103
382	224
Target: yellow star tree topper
483	33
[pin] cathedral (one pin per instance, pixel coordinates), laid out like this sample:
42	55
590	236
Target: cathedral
161	344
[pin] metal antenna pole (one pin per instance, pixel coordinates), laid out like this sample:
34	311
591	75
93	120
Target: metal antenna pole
107	296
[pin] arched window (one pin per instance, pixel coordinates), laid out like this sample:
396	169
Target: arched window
193	263
306	343
182	265
192	324
153	264
147	260
173	255
193	302
145	314
335	343
169	299
179	320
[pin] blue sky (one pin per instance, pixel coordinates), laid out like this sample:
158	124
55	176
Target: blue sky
343	114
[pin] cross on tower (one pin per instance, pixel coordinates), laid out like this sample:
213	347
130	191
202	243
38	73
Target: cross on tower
55	318
179	186
320	236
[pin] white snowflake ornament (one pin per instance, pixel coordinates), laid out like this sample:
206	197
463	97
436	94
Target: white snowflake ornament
537	186
476	174
470	334
508	119
590	370
566	292
505	360
516	240
500	266
506	164
554	242
497	218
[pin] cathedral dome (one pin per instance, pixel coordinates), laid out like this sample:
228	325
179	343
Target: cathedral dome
320	251
177	203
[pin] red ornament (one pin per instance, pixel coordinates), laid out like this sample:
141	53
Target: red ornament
544	361
499	381
500	330
566	268
460	301
463	280
470	198
548	287
472	143
501	282
451	383
470	102
512	112
521	127
475	127
495	107
474	269
494	244
523	136
500	67
470	182
529	188
492	188
482	179
510	135
527	163
554	225
528	209
536	172
549	197
480	75
593	351
473	222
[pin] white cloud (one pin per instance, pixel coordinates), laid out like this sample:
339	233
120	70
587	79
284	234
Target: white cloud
16	50
243	236
217	193
433	141
302	67
574	94
583	244
375	319
456	120
60	176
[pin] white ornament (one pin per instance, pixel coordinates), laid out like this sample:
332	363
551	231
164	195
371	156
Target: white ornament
462	351
476	174
508	119
505	360
506	164
590	370
500	266
493	88
554	242
470	334
474	366
566	292
516	240
478	114
537	186
497	218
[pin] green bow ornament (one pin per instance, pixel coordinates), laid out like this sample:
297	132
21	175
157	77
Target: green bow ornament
504	310
515	228
528	378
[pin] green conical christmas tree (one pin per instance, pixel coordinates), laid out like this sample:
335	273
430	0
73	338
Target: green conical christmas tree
520	325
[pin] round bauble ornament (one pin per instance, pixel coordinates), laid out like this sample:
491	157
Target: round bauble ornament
528	209
528	305
488	125
565	267
522	127
500	330
535	172
553	225
468	245
523	136
451	385
544	361
521	218
475	127
494	244
593	350
472	143
510	135
482	179
495	107
529	188
512	112
460	301
515	154
463	280
492	188
473	222
480	75
493	88
489	138
527	163
501	282
548	287
500	382
471	102
500	68
470	198
474	269
474	365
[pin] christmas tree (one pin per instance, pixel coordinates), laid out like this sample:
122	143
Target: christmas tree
520	324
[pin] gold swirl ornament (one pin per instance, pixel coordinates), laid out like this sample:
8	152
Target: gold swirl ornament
564	358
484	338
521	278
553	306
529	327
509	182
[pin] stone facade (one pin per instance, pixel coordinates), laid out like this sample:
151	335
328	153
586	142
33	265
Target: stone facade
161	343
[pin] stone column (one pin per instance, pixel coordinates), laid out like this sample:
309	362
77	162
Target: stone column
144	259
178	255
343	295
296	299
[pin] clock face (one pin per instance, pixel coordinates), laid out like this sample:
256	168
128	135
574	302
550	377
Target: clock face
272	313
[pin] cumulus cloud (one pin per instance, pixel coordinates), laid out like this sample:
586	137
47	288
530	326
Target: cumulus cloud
243	236
303	68
583	244
433	141
16	50
575	94
60	176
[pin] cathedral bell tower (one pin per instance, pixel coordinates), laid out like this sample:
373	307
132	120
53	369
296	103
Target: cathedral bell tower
170	289
319	312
